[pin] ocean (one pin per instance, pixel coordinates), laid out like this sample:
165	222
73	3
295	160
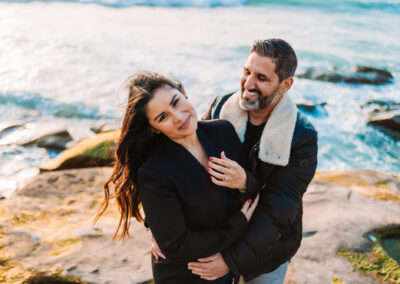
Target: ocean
63	61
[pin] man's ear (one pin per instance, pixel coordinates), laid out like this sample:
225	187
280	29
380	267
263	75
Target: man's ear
286	84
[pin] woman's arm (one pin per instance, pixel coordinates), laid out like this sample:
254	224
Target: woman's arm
165	216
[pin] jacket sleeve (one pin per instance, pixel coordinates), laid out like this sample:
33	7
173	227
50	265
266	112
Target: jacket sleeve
280	204
165	217
208	114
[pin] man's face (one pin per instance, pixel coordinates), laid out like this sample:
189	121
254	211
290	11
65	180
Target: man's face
259	83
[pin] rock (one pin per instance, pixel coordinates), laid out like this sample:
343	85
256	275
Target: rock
54	233
8	125
103	126
357	74
380	105
33	131
367	69
320	74
343	221
389	120
55	142
90	152
311	107
48	225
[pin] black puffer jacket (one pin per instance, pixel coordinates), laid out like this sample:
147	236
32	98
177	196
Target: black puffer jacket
275	231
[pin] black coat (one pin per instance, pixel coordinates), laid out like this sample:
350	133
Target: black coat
189	216
275	230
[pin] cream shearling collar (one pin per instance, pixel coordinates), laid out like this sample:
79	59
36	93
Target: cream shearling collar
276	138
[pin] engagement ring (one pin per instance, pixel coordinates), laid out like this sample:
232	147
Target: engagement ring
226	177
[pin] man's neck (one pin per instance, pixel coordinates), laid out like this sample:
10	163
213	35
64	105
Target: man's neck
257	117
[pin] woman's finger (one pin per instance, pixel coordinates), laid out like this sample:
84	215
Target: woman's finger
219	182
217	175
223	163
222	169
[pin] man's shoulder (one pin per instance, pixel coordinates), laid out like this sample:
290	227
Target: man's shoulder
215	107
304	127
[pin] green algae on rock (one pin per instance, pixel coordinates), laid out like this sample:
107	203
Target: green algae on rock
378	261
92	151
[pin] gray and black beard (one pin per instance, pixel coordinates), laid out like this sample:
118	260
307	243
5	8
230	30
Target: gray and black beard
260	103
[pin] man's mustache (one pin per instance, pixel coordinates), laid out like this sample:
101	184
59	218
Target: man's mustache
252	91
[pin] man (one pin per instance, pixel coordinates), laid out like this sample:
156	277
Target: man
282	149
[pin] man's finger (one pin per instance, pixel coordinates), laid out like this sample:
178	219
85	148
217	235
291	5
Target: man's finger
197	265
208	259
154	253
209	277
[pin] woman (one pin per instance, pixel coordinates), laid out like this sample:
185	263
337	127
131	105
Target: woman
163	161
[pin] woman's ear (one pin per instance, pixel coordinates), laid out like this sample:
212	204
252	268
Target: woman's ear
182	90
152	129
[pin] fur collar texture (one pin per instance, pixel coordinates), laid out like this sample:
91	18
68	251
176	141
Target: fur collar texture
276	138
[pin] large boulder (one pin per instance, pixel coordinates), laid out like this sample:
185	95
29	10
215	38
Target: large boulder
103	126
357	74
310	107
9	125
389	120
55	142
89	152
320	74
32	132
385	115
342	212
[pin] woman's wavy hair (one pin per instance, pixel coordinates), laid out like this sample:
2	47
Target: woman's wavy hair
133	146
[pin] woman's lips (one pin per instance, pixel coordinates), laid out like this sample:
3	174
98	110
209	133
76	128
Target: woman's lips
185	124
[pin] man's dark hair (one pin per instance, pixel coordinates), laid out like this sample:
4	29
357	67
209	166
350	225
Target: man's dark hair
281	53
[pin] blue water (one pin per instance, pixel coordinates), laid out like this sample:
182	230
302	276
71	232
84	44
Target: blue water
64	61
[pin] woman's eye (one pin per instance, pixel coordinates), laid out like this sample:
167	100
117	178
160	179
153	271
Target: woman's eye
175	102
162	117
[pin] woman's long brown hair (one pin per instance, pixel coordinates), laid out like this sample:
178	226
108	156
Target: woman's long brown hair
133	147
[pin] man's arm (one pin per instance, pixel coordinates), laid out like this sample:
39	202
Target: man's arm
268	236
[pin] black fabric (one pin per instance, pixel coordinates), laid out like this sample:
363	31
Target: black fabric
252	136
191	217
275	231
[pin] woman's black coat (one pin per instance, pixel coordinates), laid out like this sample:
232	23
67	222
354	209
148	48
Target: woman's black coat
189	216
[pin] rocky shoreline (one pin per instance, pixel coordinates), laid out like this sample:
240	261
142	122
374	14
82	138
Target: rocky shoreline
46	227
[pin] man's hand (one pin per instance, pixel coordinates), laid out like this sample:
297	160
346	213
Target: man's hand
155	249
209	268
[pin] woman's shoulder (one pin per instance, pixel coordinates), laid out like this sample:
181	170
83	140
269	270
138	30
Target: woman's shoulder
217	125
159	158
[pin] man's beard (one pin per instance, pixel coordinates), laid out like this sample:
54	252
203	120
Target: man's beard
260	103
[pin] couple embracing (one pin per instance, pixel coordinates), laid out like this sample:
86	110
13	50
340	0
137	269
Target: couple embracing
222	196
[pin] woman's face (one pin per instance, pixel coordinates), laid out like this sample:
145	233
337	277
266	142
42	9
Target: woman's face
170	113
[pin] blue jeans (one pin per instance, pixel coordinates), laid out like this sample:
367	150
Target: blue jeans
274	277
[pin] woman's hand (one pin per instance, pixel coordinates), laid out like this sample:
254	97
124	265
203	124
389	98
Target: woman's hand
226	172
155	249
249	207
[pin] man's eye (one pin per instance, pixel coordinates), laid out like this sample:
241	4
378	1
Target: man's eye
246	72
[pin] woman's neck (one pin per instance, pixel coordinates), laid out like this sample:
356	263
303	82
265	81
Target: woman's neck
190	142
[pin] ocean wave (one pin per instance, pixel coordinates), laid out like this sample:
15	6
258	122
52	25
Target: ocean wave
46	107
158	3
331	5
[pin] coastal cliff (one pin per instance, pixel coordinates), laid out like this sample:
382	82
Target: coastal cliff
46	230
